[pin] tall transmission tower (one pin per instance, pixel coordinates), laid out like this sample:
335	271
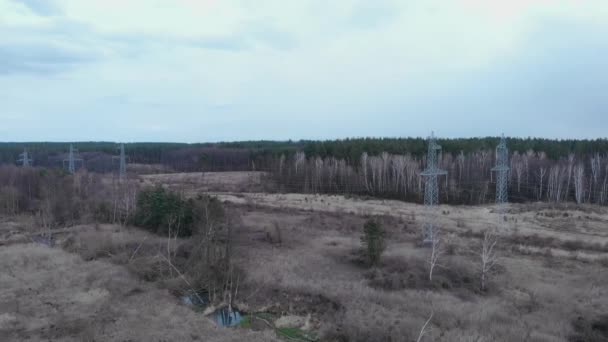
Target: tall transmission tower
24	159
502	173
431	185
122	169
72	160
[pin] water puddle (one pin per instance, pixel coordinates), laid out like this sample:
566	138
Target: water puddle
199	300
226	318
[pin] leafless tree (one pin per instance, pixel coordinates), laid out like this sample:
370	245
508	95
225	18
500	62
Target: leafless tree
518	167
281	164
569	176
299	160
536	176
364	158
318	174
541	175
596	163
460	161
398	168
45	212
436	249
386	159
555	183
377	172
424	330
487	255
579	179
9	196
173	229
527	158
124	198
484	161
604	191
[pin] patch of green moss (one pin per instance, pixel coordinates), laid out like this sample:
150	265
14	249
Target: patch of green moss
296	334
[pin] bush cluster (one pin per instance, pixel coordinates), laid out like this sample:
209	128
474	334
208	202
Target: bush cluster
159	208
54	197
373	241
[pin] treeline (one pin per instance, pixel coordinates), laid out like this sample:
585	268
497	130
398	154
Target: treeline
352	149
45	151
56	198
100	156
470	179
260	155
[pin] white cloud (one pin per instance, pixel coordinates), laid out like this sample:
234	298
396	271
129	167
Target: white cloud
229	60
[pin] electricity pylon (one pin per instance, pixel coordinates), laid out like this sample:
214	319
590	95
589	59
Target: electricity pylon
431	186
24	159
72	160
502	173
122	168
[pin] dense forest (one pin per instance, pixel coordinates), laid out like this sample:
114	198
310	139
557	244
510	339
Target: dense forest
470	179
541	169
246	155
98	156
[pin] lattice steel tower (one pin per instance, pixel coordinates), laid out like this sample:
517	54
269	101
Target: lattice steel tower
122	170
502	172
72	160
24	159
431	185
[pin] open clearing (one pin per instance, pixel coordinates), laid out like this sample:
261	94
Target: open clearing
301	260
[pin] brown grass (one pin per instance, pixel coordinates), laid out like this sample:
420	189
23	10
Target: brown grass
69	299
537	293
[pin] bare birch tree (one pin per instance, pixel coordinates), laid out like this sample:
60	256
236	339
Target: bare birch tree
364	161
460	160
299	160
596	163
424	330
604	191
579	179
569	176
488	256
541	175
436	249
555	183
518	167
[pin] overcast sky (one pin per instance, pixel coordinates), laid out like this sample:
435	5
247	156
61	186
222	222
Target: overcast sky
217	70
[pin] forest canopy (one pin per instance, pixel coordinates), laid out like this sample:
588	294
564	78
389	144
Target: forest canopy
52	153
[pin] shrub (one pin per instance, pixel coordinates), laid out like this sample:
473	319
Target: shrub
373	241
102	212
158	209
207	212
587	330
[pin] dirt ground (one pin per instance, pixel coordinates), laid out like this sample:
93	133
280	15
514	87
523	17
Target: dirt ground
301	258
196	182
535	296
555	224
48	294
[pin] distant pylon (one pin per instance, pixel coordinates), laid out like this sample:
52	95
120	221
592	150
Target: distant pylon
122	170
24	159
72	160
502	172
431	185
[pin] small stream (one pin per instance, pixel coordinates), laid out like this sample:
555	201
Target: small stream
226	318
223	317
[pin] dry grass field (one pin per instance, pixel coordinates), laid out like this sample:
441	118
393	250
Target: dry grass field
302	264
196	182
